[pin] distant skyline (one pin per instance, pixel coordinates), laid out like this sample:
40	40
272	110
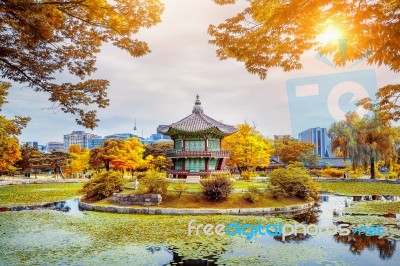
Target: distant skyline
160	88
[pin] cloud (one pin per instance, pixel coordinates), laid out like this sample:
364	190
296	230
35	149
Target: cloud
160	88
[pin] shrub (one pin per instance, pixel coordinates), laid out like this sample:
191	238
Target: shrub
103	185
253	194
315	172
390	175
331	172
153	182
263	174
179	188
217	188
293	182
247	175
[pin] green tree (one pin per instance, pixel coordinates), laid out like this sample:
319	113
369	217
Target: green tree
40	38
249	149
55	161
309	158
9	130
28	156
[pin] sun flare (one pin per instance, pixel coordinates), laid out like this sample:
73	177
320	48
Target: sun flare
329	35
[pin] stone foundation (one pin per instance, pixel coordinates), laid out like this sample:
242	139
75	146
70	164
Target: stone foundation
136	199
289	210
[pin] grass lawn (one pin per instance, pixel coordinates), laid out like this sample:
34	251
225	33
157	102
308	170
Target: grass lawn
361	188
197	187
375	207
198	201
37	193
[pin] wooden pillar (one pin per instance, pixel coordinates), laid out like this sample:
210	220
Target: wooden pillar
183	164
206	144
184	145
206	165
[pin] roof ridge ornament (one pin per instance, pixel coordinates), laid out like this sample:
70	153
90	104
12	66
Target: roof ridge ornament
197	108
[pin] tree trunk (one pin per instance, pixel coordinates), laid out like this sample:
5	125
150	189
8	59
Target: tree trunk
372	168
61	172
107	165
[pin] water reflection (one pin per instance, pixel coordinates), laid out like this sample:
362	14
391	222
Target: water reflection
358	243
351	249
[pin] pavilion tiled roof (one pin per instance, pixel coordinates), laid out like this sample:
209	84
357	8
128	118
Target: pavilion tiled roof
198	122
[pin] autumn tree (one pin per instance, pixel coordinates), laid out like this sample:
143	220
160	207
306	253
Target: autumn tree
40	38
9	130
78	160
364	140
157	149
268	34
118	154
106	154
387	102
289	149
95	159
28	157
249	149
129	155
55	161
159	161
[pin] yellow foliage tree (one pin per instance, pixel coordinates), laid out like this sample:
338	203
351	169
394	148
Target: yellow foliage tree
128	155
249	149
78	160
9	130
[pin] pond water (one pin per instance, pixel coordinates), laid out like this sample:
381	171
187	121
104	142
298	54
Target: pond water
48	237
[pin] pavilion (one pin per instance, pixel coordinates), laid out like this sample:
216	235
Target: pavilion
197	144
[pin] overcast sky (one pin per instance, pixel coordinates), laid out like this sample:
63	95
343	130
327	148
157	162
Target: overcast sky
160	88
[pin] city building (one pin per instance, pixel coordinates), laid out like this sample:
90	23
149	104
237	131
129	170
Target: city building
95	142
197	144
33	144
55	146
317	136
43	148
119	136
278	137
79	138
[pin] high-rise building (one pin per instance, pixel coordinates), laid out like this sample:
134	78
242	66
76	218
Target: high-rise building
55	146
33	144
79	138
317	136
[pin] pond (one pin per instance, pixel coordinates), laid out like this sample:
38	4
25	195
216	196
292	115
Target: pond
48	237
